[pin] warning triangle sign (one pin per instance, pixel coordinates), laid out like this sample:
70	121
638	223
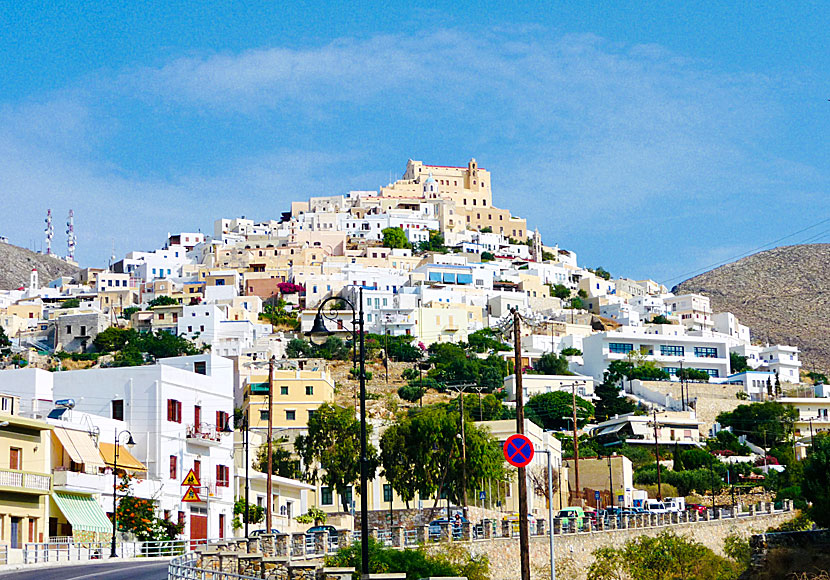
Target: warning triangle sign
191	495
191	479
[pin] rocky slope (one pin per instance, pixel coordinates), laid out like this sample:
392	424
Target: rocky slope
16	264
783	295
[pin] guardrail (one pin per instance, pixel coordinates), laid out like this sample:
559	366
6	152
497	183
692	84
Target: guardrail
186	568
67	550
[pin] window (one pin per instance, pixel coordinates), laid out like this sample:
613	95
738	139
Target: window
309	390
181	518
83	331
326	496
387	492
197	469
15	458
263	414
174	467
174	411
671	350
68	330
706	352
222	420
290	415
310	413
283	390
118	410
620	347
348	496
222	476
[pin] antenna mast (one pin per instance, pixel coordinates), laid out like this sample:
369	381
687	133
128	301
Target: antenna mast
50	232
70	235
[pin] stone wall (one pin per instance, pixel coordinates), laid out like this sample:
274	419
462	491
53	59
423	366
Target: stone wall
787	554
712	398
574	551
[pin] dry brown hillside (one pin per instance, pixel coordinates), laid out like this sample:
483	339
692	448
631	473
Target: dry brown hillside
783	295
16	264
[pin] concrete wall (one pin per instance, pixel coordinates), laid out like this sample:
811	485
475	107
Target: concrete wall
574	551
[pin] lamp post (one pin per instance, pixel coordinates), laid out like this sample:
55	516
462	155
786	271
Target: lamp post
319	329
130	443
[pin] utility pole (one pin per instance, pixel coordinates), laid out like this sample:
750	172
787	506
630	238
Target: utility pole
657	451
246	434
682	377
460	389
524	536
269	490
611	481
576	444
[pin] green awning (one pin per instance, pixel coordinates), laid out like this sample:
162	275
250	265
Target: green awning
83	512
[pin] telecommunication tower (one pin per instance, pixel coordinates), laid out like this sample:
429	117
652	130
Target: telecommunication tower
70	235
50	232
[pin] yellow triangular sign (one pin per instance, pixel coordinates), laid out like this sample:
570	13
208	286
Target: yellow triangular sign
191	495
191	479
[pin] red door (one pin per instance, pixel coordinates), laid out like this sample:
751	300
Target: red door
221	526
198	530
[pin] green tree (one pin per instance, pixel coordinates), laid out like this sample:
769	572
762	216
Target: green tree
678	460
331	449
487	256
602	273
660	319
737	363
283	462
129	356
113	338
412	392
571	351
576	304
71	303
127	313
767	424
424	447
817	479
162	300
486	340
609	400
582	293
548	409
395	238
685	374
164	344
552	364
561	291
817	378
486	230
5	342
256	513
435	243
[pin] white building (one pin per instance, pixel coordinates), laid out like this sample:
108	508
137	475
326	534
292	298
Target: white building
693	310
667	345
538	384
175	410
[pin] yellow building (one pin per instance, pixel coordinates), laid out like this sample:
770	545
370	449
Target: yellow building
25	482
297	394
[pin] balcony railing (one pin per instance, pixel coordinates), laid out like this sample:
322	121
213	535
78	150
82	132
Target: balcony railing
25	482
203	432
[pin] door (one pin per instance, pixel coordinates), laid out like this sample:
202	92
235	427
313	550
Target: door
14	458
221	526
198	529
15	539
197	419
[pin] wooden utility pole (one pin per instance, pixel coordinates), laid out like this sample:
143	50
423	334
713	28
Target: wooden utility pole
524	535
460	389
576	447
657	452
269	489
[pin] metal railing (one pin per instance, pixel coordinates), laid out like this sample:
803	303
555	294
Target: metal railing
25	480
67	550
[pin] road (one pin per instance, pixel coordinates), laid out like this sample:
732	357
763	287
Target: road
132	570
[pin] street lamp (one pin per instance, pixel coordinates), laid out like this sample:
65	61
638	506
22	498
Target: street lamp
319	330
130	443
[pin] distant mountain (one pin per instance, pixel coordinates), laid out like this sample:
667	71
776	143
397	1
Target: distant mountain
783	295
16	265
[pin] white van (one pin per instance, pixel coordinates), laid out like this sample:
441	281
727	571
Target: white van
654	506
675	504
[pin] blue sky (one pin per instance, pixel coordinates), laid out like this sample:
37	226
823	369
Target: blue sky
653	139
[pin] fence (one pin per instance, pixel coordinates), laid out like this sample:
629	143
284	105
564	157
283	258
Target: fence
66	550
4	554
185	567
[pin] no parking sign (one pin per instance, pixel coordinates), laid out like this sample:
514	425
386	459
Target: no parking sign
518	450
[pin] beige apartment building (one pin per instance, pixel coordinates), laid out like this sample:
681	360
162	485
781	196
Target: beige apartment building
297	395
25	480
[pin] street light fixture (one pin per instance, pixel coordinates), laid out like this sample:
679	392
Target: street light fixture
130	443
319	330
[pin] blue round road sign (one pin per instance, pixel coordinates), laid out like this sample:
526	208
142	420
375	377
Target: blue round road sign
518	450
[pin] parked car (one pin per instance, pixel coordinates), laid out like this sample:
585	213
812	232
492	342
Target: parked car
654	506
256	533
696	507
330	529
435	527
571	514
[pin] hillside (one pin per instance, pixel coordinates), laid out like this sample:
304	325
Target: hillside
16	264
783	295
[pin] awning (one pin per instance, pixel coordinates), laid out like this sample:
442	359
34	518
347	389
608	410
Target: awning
126	460
83	512
79	446
612	429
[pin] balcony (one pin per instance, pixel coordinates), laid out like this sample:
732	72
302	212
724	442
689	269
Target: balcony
25	482
203	434
64	480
